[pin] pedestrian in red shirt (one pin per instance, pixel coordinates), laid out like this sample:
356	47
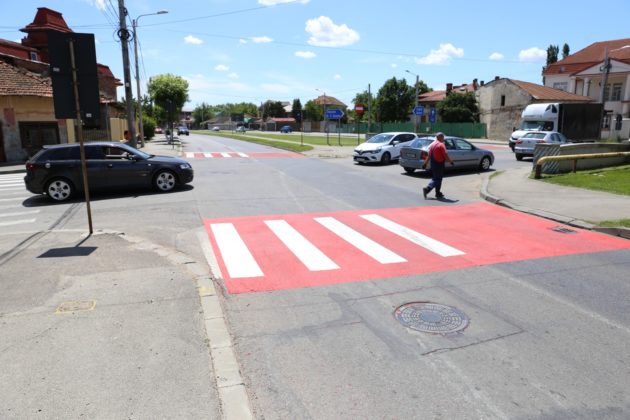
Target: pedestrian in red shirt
438	157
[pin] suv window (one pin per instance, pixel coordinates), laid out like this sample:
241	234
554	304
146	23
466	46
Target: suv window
58	153
94	152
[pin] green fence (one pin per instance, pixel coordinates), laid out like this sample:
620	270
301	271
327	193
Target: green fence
466	130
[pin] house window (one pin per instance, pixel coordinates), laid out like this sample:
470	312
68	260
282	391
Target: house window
616	92
34	56
502	100
561	85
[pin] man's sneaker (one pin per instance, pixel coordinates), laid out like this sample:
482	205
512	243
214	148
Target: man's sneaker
425	191
439	195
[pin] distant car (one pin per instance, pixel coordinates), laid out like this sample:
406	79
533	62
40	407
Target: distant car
182	129
215	128
525	145
463	153
382	148
158	130
56	169
241	129
286	129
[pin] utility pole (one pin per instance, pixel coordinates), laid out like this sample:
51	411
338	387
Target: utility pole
369	111
602	98
415	117
123	34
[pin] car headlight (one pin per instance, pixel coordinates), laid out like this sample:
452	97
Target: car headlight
185	166
377	150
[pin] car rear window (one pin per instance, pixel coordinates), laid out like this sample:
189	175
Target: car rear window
534	135
420	143
57	153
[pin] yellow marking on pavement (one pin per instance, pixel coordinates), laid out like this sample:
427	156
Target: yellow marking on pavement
72	306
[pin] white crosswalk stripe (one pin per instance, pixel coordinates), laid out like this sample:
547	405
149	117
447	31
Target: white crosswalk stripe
418	238
360	241
12	191
305	251
237	258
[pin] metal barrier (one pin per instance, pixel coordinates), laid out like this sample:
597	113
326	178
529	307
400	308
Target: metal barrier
574	158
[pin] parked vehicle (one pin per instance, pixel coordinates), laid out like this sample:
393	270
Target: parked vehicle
382	148
158	130
525	145
182	129
464	154
241	129
577	121
216	128
286	129
56	169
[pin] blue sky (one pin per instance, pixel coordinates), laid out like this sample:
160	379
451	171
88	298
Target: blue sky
255	50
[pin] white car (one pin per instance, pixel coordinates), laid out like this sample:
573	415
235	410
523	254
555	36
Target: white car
525	145
382	148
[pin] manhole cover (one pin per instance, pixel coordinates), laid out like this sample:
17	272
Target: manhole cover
431	317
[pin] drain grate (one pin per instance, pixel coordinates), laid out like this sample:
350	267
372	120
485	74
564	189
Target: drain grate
561	229
431	317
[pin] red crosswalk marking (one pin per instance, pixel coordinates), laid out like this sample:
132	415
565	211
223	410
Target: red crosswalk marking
248	155
303	250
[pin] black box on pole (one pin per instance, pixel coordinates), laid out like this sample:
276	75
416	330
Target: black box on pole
61	76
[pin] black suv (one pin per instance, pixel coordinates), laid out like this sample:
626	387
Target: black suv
56	170
182	129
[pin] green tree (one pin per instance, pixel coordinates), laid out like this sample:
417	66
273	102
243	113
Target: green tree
459	107
273	109
565	50
552	54
296	110
313	111
202	113
394	101
364	98
166	89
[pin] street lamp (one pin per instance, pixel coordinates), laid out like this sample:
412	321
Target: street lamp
415	117
134	25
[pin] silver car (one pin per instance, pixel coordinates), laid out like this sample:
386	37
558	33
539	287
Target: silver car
463	153
525	145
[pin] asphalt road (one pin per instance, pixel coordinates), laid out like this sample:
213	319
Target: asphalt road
548	317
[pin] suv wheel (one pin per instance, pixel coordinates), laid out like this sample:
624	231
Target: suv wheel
59	189
164	181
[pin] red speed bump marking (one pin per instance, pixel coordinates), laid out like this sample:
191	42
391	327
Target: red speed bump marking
275	252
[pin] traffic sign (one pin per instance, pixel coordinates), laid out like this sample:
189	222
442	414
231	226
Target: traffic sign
433	115
359	108
419	110
334	114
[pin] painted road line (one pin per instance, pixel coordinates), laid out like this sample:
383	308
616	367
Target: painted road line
242	154
237	258
13	199
11	184
22	213
16	188
226	155
208	155
360	241
418	238
17	222
305	251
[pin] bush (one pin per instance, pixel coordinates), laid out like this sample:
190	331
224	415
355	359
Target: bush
148	125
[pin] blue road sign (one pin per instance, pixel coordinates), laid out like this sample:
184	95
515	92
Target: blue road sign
334	114
419	110
433	115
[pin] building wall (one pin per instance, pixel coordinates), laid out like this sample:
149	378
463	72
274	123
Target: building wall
16	109
500	119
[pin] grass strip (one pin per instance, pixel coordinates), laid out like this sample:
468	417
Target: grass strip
614	180
285	145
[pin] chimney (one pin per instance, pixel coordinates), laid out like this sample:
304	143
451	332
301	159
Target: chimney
482	83
496	77
449	88
475	84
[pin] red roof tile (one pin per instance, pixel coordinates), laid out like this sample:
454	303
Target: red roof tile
618	49
18	82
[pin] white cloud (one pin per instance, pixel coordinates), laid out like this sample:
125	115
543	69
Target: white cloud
394	65
192	40
242	41
325	33
274	2
233	76
100	4
305	54
261	39
532	55
275	87
337	77
495	56
442	55
221	67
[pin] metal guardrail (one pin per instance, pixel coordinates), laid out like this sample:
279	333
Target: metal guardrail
574	158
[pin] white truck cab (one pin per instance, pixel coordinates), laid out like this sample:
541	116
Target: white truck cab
536	117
